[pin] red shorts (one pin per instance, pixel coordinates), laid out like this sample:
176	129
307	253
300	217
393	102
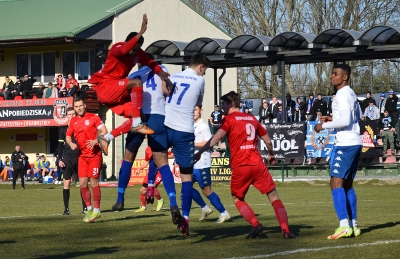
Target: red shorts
243	176
89	166
156	182
113	93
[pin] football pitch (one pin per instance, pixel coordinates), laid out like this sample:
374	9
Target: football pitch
32	225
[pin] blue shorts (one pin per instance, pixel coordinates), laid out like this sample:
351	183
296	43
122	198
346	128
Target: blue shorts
344	160
182	144
202	176
157	141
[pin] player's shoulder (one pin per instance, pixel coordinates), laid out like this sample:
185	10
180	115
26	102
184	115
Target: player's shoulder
117	45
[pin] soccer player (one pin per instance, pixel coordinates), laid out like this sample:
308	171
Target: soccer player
121	94
85	127
155	89
68	161
346	113
148	161
201	171
187	92
246	162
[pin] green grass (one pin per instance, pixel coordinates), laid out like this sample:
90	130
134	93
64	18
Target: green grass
32	227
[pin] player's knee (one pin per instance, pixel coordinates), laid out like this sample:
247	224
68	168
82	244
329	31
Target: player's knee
236	199
207	191
143	191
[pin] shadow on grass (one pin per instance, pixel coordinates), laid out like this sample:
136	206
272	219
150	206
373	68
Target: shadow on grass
97	251
133	217
379	226
7	242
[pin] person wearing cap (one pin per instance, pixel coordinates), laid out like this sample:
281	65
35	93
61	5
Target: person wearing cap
321	105
382	104
290	104
215	119
8	87
310	104
371	112
365	102
391	106
297	114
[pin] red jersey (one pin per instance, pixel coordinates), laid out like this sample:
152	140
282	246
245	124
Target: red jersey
243	130
118	65
148	154
73	81
85	128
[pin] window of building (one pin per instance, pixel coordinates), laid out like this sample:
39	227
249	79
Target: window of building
68	62
41	66
83	65
49	69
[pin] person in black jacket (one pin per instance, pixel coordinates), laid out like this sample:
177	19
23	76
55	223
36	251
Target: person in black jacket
391	106
27	85
321	105
298	116
303	106
264	113
19	161
290	104
8	87
365	102
330	104
68	161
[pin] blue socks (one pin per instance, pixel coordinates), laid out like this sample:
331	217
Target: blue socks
169	185
151	175
339	203
123	179
216	202
186	196
351	203
197	198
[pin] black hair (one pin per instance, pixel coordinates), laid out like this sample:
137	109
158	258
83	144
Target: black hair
232	97
133	34
346	68
199	59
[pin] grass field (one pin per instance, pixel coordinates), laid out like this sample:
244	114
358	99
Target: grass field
32	226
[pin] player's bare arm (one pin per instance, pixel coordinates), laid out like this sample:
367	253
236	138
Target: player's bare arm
318	127
325	118
166	87
268	143
214	140
71	144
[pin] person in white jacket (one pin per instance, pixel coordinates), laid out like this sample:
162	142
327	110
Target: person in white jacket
371	112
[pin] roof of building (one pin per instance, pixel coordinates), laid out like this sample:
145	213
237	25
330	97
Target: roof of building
38	19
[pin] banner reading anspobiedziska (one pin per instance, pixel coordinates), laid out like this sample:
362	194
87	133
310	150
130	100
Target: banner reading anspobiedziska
287	140
34	112
319	144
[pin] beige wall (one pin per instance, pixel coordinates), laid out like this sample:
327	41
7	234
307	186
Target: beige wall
170	20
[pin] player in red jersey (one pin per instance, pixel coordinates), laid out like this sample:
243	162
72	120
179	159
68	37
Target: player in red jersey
246	162
85	127
121	94
148	161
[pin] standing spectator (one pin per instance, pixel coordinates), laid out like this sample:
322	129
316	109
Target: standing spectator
365	103
18	159
330	104
279	116
273	110
320	104
386	129
215	119
27	85
242	107
290	104
310	104
60	83
371	112
297	115
264	113
50	91
261	106
391	106
302	108
382	104
72	85
8	87
86	128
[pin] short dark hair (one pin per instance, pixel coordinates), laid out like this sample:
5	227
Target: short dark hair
199	59
232	97
70	109
346	68
78	99
200	106
133	34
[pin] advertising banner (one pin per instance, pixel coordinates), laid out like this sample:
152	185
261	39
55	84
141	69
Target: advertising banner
319	144
368	132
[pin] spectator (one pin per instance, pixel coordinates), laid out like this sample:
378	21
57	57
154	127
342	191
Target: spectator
18	158
241	106
18	87
391	106
44	166
330	104
38	91
273	110
35	170
247	110
386	130
382	104
72	86
371	112
215	119
365	102
8	87
298	115
27	85
261	106
6	166
321	105
264	113
317	116
60	83
310	104
302	108
50	91
290	104
279	116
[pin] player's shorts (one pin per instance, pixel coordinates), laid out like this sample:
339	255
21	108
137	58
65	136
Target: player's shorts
344	160
256	175
113	93
202	176
71	166
157	181
157	141
183	148
90	166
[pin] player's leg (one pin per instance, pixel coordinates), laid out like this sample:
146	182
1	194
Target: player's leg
205	210
160	201
94	167
143	192
83	174
68	169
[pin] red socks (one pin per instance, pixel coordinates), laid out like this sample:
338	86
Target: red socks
281	215
247	212
137	99
86	196
123	129
143	199
96	197
157	194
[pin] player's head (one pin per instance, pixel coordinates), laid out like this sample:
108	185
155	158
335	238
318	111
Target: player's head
230	102
340	76
70	113
138	44
79	106
199	63
197	112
